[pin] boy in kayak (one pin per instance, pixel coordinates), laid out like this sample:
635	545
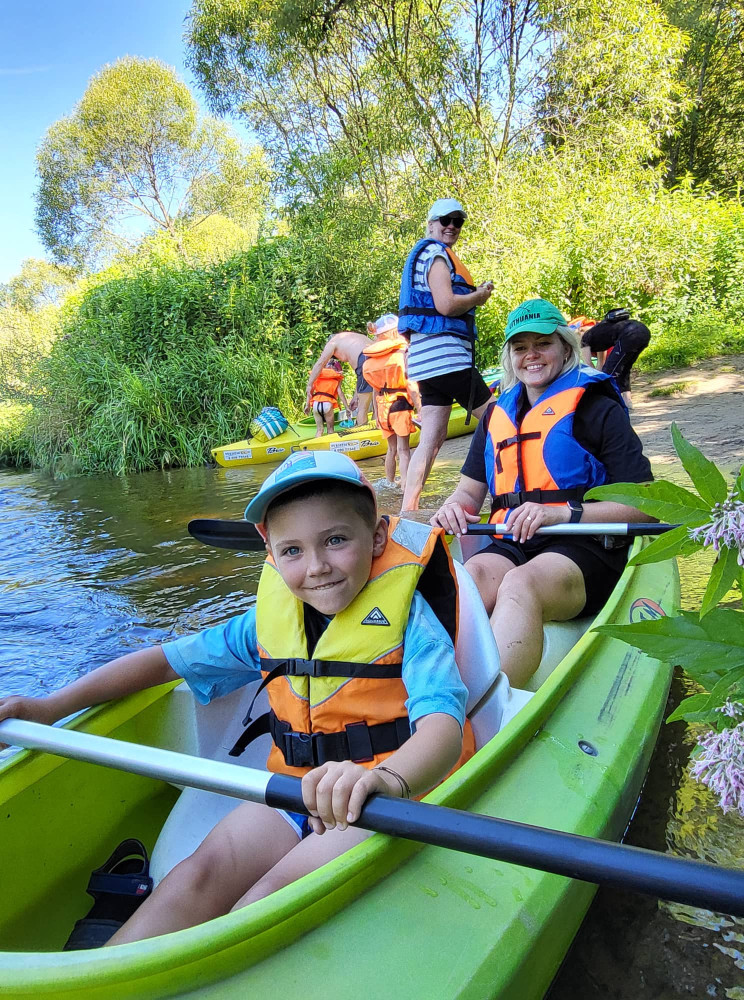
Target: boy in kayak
323	396
380	708
385	371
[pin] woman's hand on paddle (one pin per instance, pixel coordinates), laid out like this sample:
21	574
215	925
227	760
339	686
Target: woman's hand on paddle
334	793
454	518
28	709
525	520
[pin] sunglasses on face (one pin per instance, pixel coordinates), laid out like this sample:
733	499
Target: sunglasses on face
451	220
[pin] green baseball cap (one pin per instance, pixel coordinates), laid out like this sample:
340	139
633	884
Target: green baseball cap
533	316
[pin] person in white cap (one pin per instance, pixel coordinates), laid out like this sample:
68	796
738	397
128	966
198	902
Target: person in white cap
360	672
438	298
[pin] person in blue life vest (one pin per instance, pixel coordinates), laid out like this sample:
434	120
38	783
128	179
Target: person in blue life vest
374	703
436	313
558	429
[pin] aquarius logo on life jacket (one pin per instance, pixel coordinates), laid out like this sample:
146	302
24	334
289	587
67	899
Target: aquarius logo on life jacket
644	610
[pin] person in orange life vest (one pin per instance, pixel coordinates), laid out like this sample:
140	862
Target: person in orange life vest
348	346
324	395
393	402
330	555
557	429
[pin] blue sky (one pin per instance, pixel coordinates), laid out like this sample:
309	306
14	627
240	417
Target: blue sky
49	49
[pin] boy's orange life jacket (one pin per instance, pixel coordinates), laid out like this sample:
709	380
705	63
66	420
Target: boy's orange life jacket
385	367
347	702
325	386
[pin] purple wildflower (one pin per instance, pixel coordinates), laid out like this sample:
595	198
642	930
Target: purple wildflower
726	527
720	762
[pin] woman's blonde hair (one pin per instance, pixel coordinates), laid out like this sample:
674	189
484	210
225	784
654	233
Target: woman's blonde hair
570	339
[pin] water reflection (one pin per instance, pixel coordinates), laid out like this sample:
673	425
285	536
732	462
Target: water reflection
93	568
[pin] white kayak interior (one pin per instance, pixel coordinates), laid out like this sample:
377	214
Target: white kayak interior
210	730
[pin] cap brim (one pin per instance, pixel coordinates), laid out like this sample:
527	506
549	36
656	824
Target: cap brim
534	326
255	512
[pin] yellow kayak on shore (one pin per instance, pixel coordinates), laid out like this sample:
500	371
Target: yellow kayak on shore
356	442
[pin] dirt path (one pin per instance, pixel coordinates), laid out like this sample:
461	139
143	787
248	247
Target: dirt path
707	405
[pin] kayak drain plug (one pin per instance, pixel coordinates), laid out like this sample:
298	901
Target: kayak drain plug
588	748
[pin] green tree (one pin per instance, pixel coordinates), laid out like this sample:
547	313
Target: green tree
709	143
610	89
135	155
37	285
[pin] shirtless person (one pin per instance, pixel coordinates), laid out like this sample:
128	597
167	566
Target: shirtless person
348	346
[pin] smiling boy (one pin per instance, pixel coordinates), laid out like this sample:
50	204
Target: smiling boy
364	691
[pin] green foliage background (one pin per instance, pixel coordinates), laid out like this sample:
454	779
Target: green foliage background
573	188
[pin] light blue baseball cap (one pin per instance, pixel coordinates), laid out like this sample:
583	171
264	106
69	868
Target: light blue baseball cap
304	467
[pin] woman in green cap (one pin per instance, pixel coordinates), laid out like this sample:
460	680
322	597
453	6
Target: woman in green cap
558	429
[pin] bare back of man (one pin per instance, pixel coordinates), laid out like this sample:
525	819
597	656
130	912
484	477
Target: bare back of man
348	347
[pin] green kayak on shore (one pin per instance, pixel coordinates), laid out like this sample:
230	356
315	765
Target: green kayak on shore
390	918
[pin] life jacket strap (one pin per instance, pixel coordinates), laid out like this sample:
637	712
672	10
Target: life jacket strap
515	439
511	500
357	742
328	395
319	668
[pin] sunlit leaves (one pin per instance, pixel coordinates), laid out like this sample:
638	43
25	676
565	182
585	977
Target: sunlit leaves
135	155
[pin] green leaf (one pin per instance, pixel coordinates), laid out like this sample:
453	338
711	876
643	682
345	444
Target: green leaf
667	501
705	648
672	543
730	687
707	479
695	705
725	571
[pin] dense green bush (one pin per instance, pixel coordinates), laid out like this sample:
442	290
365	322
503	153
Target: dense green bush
162	356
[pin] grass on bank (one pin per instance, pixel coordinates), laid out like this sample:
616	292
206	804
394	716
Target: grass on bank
122	414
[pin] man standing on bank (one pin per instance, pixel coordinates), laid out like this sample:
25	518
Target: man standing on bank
437	315
624	338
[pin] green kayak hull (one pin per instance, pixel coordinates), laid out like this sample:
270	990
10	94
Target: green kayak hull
390	918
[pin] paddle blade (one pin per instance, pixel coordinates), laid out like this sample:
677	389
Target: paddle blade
224	534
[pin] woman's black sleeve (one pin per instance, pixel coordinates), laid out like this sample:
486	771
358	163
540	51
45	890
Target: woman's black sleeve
602	426
474	466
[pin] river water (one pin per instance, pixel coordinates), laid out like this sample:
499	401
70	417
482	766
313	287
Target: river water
93	568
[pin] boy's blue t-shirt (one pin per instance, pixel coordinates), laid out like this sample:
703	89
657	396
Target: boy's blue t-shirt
221	659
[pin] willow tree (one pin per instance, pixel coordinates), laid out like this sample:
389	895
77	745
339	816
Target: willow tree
709	144
368	91
134	156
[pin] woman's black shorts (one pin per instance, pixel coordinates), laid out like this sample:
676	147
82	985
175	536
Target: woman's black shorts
600	567
442	389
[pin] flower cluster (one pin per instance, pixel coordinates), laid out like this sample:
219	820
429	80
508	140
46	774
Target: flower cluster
726	527
719	764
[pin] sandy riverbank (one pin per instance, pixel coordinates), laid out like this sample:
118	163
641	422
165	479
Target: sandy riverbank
708	408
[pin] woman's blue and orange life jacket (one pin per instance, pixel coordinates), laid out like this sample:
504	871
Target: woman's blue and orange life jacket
325	386
539	459
416	310
345	699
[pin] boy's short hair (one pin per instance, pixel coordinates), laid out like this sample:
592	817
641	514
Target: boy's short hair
360	501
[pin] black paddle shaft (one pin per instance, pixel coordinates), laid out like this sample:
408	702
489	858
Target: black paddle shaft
620	866
242	535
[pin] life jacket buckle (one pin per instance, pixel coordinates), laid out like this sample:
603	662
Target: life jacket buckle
299	750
